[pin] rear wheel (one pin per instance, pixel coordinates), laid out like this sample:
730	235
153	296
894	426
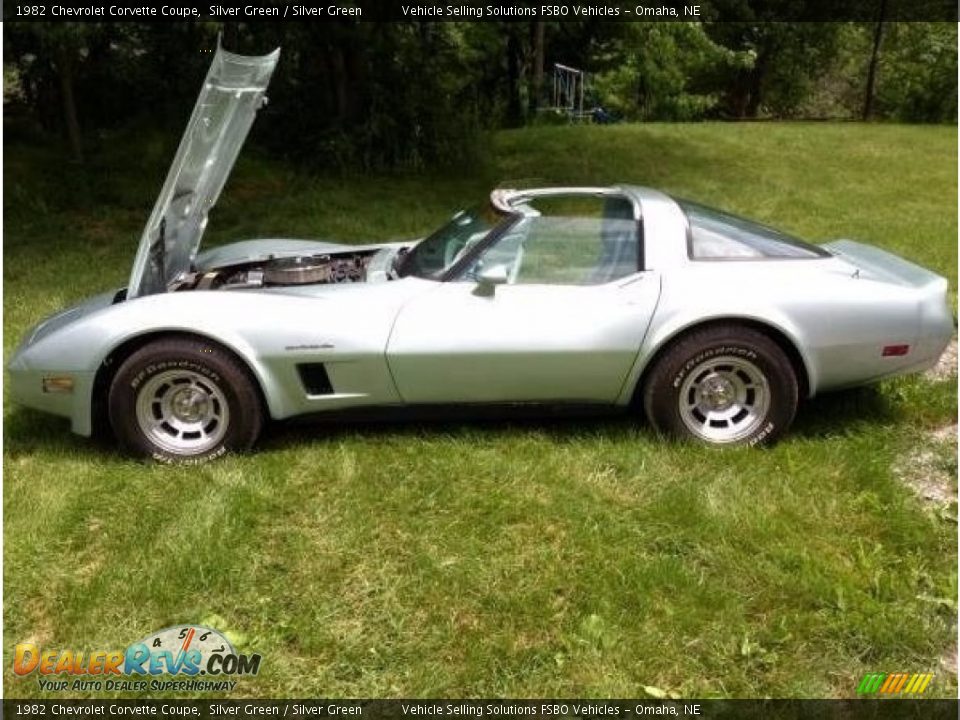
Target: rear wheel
722	385
184	400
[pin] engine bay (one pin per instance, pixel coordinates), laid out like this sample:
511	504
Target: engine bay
318	269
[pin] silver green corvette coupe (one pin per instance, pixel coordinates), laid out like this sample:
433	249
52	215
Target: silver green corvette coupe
613	297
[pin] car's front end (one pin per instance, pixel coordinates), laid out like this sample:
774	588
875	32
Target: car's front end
50	372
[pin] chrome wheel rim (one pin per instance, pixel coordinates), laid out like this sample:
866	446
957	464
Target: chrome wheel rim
724	399
182	412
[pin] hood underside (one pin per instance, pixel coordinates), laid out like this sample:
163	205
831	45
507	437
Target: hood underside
232	93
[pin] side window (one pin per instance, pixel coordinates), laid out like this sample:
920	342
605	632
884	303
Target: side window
567	240
718	235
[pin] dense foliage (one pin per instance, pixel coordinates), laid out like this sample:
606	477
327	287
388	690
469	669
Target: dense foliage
417	94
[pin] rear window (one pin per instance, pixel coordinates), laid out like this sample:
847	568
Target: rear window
718	235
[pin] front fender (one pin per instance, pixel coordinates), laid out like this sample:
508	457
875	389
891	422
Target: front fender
343	326
76	341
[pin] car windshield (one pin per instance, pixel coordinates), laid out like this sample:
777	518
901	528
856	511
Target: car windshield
438	252
719	235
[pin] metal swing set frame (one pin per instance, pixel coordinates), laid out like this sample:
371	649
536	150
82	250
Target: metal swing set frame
569	86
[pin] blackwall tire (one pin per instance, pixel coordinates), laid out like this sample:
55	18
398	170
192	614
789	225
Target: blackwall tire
722	385
184	400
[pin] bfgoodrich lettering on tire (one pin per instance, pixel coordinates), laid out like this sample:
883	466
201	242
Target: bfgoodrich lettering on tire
184	400
722	385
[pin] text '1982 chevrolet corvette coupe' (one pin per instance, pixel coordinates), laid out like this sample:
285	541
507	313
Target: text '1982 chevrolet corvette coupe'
613	296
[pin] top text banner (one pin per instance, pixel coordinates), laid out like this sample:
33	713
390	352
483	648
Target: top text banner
399	10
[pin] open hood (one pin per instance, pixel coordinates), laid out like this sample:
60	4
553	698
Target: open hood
232	93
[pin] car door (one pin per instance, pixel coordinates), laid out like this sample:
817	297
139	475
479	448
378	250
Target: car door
554	310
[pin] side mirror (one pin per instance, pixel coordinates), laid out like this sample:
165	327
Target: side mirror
490	277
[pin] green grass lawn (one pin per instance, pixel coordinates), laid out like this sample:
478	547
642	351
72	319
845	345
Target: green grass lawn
569	558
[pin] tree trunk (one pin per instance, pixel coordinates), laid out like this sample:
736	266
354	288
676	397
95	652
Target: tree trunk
70	105
755	87
874	58
338	77
231	35
738	96
536	85
514	105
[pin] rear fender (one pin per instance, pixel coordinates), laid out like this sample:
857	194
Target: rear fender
666	332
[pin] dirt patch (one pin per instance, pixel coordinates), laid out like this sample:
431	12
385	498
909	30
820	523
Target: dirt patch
949	660
946	434
930	468
946	366
42	625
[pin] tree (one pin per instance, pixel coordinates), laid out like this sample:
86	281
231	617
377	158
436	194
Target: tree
917	72
787	58
535	95
514	59
49	56
874	57
665	71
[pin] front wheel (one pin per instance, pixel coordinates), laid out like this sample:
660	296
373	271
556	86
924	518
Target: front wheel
184	400
723	385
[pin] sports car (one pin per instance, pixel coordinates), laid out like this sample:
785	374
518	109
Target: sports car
621	298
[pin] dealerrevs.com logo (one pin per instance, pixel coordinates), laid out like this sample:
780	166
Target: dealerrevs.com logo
198	658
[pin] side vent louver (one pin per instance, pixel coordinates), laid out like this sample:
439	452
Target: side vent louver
315	379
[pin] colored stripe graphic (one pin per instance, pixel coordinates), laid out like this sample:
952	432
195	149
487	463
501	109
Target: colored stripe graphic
871	682
894	683
891	679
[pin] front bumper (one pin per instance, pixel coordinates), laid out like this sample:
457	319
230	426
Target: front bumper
45	354
27	389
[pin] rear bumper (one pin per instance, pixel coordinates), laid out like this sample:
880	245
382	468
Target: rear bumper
937	326
901	304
